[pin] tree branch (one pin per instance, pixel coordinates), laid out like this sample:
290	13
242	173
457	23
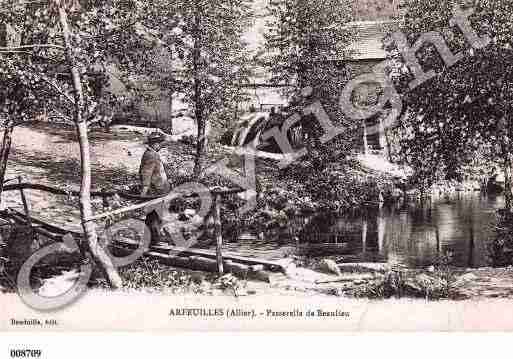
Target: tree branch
16	52
58	114
59	90
34	46
113	32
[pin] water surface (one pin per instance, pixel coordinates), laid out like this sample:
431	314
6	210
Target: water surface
455	226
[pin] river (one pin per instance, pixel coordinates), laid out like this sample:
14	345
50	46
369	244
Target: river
452	228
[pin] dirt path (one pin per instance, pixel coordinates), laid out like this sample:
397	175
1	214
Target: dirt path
49	154
52	154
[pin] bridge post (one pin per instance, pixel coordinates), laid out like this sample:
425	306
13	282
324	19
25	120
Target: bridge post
365	144
218	233
4	155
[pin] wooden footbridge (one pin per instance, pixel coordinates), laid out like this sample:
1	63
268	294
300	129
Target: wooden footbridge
191	258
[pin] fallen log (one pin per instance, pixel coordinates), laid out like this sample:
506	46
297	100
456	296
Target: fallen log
182	262
261	276
167	249
347	278
56	190
250	272
256	264
256	268
201	264
240	270
209	265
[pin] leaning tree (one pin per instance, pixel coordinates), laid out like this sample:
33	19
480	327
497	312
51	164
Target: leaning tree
51	69
62	49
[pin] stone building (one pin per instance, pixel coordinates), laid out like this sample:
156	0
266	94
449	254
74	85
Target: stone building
367	52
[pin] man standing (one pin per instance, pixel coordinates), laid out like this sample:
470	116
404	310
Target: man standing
154	180
153	176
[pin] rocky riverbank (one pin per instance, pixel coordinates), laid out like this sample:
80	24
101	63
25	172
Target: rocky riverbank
352	280
48	155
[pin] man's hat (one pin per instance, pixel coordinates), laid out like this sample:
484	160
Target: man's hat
155	137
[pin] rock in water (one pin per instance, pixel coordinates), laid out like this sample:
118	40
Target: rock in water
329	266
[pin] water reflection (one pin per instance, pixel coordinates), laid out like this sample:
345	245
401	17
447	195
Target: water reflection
415	235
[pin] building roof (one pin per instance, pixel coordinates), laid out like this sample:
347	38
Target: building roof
369	39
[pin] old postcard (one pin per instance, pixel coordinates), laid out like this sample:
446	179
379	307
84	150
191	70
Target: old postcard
256	165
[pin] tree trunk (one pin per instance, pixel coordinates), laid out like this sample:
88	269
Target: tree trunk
508	195
86	211
201	140
4	156
201	144
219	234
388	146
365	143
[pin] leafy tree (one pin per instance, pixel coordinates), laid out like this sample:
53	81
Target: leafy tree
307	45
463	113
53	72
303	38
202	57
58	67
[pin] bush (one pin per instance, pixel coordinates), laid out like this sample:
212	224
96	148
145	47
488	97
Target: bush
336	186
500	246
403	283
149	275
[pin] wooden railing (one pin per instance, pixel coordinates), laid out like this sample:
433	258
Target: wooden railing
55	232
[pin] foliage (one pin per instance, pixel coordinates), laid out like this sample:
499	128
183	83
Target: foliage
229	282
402	283
194	51
500	246
306	44
336	186
300	192
460	118
63	41
302	37
150	275
32	65
200	55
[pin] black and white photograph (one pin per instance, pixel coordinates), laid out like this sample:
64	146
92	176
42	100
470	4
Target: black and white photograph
256	165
